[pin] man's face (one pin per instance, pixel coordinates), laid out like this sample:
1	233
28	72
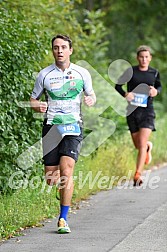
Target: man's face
144	59
61	51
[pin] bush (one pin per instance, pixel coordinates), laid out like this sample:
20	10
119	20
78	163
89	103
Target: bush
21	47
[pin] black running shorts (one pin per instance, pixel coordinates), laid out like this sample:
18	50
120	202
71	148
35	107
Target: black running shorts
54	146
141	118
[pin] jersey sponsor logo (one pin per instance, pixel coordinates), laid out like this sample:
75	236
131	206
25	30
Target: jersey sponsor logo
69	77
55	86
69	73
58	78
72	83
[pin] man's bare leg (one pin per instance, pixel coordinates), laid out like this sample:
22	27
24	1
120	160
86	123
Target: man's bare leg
66	179
52	174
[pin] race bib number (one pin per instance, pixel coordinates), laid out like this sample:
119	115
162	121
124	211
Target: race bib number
69	129
140	100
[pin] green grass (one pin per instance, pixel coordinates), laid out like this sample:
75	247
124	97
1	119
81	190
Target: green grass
159	139
27	207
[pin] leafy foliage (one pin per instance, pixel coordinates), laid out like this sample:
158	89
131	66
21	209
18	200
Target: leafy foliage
21	48
132	23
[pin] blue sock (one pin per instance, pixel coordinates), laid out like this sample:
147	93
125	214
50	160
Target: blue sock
63	211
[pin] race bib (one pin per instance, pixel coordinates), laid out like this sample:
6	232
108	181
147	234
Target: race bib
140	100
69	129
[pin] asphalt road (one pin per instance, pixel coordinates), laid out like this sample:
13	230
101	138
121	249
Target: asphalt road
123	219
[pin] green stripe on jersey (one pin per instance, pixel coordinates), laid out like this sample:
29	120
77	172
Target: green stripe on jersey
68	91
63	119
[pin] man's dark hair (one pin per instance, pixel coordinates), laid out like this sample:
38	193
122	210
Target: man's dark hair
64	37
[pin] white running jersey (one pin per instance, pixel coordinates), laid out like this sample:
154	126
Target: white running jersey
63	92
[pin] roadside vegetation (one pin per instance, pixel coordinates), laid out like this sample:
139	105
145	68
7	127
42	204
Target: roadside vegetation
26	29
34	202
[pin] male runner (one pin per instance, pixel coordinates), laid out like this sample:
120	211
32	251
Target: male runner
63	84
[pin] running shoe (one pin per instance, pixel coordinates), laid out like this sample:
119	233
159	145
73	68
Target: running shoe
148	154
63	227
137	181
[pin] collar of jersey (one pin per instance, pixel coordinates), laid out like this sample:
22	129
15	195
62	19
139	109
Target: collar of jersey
67	69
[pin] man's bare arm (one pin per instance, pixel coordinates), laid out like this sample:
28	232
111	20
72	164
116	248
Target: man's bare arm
38	106
90	100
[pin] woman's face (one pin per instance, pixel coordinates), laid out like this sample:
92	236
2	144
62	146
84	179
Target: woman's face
144	59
